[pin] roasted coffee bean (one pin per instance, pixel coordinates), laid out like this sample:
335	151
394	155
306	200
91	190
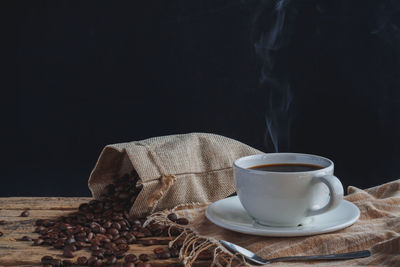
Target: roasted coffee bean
38	242
25	213
138	234
67	253
94	248
164	256
82	261
129	264
59	244
175	231
70	240
182	221
112	231
144	257
174	252
123	247
92	260
159	250
67	263
80	244
47	265
120	254
205	255
130	258
149	242
71	247
178	243
39	229
107	224
2	222
111	260
120	240
1	234
116	225
98	254
56	263
46	259
172	216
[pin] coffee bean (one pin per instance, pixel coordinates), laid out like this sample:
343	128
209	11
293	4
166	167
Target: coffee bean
138	234
25	213
56	263
2	222
130	258
205	255
67	263
38	242
120	240
98	254
47	265
112	231
182	221
162	253
116	225
130	238
120	254
129	264
92	260
46	259
148	242
159	250
111	260
107	224
1	234
70	247
82	261
172	216
174	252
67	253
144	257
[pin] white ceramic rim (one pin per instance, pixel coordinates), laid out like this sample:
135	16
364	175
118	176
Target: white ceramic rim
237	162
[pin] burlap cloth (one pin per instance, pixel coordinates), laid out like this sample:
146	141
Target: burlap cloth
378	230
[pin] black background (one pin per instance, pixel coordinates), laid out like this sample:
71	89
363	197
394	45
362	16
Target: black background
85	74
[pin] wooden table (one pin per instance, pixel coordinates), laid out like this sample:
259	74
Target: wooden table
22	253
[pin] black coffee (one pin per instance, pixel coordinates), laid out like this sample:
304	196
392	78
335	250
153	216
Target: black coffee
286	167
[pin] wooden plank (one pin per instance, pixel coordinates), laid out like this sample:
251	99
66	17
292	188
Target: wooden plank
42	203
19	253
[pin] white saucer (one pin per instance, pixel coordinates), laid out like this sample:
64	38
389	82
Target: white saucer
229	213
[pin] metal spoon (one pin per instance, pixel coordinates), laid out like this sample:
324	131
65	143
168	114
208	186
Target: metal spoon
256	259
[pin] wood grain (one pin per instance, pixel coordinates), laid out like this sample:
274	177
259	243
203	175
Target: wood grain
22	253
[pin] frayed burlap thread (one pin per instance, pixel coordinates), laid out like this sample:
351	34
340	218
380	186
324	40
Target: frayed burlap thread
194	244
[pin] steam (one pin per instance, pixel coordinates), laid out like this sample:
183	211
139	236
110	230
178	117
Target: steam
271	36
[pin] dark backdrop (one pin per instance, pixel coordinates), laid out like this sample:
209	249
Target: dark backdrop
86	74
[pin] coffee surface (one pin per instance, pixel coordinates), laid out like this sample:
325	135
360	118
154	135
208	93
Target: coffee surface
286	167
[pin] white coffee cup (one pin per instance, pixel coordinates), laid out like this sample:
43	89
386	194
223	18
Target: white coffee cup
286	198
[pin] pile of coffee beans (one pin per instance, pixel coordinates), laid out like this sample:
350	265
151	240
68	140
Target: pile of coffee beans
105	228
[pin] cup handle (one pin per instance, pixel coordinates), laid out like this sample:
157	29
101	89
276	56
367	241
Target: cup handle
335	191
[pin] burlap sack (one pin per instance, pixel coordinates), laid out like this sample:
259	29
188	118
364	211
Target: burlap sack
175	169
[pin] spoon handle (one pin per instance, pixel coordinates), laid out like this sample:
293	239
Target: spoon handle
344	256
